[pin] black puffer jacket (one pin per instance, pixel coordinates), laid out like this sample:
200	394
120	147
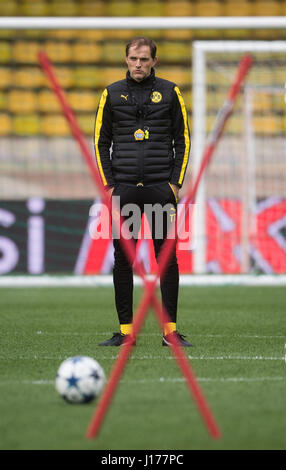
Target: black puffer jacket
141	133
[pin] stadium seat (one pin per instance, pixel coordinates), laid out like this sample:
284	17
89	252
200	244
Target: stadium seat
3	100
64	8
59	51
8	8
5	52
28	77
5	77
82	101
92	8
22	101
112	74
61	34
26	51
261	102
266	8
113	51
149	8
26	124
64	75
86	123
54	125
47	102
122	8
266	124
235	8
178	8
208	8
88	77
175	51
33	8
5	124
179	75
86	51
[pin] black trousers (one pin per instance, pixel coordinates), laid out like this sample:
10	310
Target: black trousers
159	205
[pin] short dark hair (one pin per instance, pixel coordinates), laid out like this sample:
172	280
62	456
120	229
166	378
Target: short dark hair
142	41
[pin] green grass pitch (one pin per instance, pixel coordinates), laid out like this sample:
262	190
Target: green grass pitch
238	359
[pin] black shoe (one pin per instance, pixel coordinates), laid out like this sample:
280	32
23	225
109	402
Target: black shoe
180	338
117	340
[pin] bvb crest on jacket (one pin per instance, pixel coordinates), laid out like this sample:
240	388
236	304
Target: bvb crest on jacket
156	97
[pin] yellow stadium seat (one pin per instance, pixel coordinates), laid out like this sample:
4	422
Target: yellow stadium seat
149	8
113	74
58	52
113	52
261	102
175	51
266	124
5	124
28	77
82	101
90	34
88	77
3	101
64	8
266	8
22	101
86	123
121	8
54	125
123	34
64	76
5	77
86	51
234	125
8	8
93	8
235	8
208	8
62	34
26	125
26	51
179	75
5	52
178	34
34	8
48	102
283	8
178	8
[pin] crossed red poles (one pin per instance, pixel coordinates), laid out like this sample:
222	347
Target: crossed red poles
149	298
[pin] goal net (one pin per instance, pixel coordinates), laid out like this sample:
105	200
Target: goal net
240	219
47	192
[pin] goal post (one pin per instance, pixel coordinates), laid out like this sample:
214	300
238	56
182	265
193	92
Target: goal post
234	178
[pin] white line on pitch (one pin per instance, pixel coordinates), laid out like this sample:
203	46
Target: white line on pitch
160	380
151	357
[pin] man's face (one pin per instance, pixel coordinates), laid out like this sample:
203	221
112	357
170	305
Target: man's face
140	62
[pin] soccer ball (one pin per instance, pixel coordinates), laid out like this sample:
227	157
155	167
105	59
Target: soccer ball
80	379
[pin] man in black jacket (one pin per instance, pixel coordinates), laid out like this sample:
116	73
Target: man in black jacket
142	145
